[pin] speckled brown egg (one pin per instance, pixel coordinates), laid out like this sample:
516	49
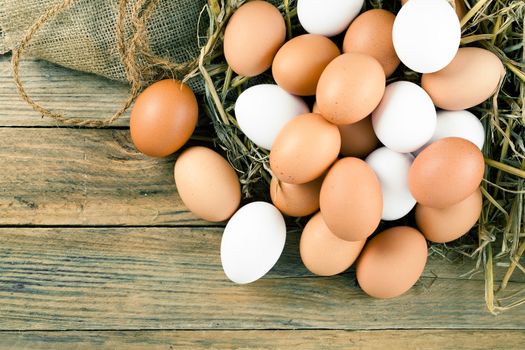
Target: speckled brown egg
350	88
371	33
299	63
450	223
351	201
304	149
392	262
252	37
358	139
322	252
207	184
472	77
461	11
296	200
163	118
446	172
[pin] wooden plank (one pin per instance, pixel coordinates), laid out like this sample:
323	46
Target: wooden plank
271	339
84	177
171	278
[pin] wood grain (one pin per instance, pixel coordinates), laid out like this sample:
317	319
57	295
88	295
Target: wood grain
266	340
171	278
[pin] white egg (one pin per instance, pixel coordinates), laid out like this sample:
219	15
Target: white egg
329	17
392	169
405	118
426	35
262	111
252	242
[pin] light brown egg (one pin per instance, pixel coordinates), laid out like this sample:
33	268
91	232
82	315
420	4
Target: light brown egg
351	201
447	224
446	172
350	88
299	63
305	147
322	252
371	34
252	37
461	11
207	184
296	200
163	118
392	262
358	139
471	78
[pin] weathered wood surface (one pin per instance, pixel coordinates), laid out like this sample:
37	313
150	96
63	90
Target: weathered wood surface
266	340
171	278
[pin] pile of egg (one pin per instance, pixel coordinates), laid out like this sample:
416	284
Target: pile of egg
368	151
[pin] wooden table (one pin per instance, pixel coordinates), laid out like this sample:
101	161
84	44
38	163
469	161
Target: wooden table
97	251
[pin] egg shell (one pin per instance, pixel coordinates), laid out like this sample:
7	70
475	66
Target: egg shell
392	262
358	139
163	118
262	111
207	184
322	252
392	169
406	118
450	223
461	11
446	172
252	37
296	200
371	34
252	242
304	149
318	17
351	202
426	35
472	77
349	88
299	63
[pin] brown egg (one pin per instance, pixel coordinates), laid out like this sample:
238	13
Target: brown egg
351	201
447	224
358	139
299	63
322	252
446	172
296	200
252	37
350	88
304	148
207	184
392	262
371	33
163	118
460	7
471	78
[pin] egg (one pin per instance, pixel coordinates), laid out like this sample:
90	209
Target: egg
406	118
392	262
472	77
296	200
446	172
252	37
351	202
358	139
262	111
371	34
207	184
461	11
349	88
322	252
426	35
450	223
304	149
328	19
392	169
163	118
299	63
